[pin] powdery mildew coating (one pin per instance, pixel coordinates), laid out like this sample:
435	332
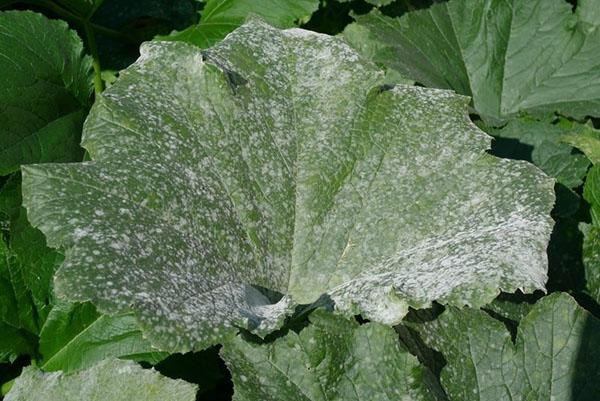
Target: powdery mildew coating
111	379
277	160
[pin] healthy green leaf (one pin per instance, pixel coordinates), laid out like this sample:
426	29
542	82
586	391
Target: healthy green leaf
111	379
544	137
44	90
26	270
276	160
76	337
555	357
509	56
37	263
16	320
591	193
332	359
220	17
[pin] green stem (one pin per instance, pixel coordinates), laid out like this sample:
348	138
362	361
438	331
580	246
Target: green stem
91	41
6	387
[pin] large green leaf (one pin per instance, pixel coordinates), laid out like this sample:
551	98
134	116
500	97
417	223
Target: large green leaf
111	379
44	90
555	357
76	337
509	55
276	160
219	17
333	359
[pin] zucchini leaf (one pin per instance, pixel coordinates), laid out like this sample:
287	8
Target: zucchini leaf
274	169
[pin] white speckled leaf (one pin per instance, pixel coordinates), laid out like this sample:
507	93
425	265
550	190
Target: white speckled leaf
110	380
555	357
509	55
277	160
333	359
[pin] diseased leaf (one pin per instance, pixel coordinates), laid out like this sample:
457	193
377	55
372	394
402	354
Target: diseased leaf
44	90
546	150
555	357
76	337
588	141
277	161
220	17
332	359
509	56
111	379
